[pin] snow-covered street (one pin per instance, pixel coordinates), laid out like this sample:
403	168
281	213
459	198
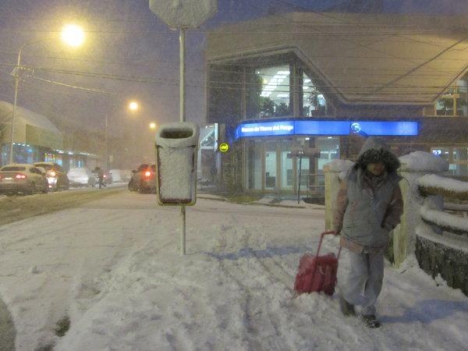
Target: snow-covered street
114	269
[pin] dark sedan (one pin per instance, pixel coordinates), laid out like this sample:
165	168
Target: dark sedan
143	179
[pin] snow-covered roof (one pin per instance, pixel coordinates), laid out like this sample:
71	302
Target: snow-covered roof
29	117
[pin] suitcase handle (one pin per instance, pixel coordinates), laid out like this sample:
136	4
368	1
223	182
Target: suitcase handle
321	239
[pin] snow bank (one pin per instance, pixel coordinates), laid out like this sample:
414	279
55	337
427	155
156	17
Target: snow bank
456	243
444	220
341	166
435	181
420	161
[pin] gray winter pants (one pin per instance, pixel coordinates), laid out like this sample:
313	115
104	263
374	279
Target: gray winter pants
366	275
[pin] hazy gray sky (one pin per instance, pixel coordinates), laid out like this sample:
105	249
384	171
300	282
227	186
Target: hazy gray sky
130	53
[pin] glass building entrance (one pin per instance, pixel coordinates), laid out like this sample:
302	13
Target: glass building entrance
271	166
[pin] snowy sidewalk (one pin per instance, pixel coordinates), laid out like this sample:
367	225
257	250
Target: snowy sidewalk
130	289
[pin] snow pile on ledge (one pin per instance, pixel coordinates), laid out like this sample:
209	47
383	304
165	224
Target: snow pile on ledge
443	219
454	243
421	161
435	181
339	165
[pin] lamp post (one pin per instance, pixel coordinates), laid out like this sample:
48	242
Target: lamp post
134	107
107	143
72	35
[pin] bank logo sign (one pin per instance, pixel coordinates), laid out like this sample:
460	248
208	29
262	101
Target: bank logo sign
324	128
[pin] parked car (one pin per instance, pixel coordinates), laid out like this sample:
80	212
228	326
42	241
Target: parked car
120	175
55	174
143	179
81	176
22	178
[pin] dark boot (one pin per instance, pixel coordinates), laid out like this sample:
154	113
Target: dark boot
346	308
370	321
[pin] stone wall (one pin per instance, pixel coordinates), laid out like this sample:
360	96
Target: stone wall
436	258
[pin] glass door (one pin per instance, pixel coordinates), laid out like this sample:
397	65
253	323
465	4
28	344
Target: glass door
287	166
270	165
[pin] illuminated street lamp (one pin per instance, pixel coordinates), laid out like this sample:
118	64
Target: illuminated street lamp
71	35
133	106
152	125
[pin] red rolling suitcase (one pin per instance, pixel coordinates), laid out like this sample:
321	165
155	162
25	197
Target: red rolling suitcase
317	273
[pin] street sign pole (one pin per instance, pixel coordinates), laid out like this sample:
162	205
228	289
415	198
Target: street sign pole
182	119
182	74
183	14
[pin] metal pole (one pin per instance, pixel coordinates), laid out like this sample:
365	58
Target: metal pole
15	102
182	74
182	238
107	146
299	177
182	119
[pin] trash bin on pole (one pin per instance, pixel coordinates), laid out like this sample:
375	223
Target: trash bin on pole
176	163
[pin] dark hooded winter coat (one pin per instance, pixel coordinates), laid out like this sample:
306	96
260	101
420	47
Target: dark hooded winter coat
369	207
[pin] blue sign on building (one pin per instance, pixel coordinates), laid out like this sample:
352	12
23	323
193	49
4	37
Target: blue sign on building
326	128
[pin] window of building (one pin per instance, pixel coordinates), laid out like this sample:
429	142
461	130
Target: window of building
457	157
273	92
254	165
313	101
455	101
329	150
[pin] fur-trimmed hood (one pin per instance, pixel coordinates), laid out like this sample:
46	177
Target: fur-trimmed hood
377	150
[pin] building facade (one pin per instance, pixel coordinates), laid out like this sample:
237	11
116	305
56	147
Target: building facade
296	91
35	139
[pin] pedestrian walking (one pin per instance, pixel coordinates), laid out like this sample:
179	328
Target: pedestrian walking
369	206
100	174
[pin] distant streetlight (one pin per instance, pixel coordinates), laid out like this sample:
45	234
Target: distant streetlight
152	126
133	106
72	35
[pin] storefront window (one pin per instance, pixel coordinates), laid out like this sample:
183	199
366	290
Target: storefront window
24	154
50	157
456	157
455	101
287	165
314	103
5	152
254	165
272	93
329	150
